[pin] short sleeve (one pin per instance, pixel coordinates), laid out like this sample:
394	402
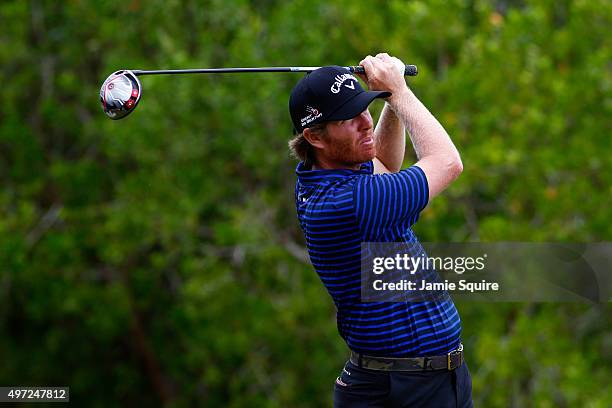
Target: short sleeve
387	200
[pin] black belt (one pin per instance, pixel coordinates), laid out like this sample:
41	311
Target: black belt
449	362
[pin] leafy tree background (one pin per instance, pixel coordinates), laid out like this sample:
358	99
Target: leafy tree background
157	260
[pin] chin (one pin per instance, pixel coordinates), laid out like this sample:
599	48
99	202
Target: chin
370	154
357	156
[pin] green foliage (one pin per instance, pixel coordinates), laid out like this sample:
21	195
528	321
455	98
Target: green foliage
157	260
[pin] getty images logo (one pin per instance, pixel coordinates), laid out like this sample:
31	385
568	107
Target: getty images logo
339	80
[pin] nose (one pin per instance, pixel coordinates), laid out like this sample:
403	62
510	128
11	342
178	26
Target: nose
365	119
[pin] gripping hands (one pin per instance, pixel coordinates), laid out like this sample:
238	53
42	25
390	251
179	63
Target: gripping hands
384	73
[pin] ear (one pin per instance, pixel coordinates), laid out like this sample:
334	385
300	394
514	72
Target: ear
314	138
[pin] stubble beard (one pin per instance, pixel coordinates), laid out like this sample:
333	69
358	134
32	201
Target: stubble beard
350	154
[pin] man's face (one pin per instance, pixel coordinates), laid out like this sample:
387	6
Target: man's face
350	142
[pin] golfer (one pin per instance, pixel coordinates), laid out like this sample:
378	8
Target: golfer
351	189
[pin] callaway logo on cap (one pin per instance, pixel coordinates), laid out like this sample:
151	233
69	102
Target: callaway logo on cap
328	93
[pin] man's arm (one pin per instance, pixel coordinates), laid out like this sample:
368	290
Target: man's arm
437	155
390	139
390	133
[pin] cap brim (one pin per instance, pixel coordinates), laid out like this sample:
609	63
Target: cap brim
356	105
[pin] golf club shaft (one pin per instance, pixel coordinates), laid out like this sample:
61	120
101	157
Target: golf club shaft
411	70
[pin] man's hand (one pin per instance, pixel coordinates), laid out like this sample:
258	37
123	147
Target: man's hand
384	73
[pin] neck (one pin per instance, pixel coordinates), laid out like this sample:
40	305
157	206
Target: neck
327	165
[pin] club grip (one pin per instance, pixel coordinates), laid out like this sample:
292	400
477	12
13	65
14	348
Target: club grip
410	70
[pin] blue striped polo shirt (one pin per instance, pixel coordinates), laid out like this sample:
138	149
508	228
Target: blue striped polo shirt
340	209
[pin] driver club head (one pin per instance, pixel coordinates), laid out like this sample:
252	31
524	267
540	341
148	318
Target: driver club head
120	94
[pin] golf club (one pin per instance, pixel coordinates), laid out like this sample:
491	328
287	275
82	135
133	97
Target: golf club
121	91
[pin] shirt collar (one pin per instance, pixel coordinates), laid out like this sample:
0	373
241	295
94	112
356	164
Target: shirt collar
309	176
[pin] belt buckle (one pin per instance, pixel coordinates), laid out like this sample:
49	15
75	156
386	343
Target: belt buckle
448	357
